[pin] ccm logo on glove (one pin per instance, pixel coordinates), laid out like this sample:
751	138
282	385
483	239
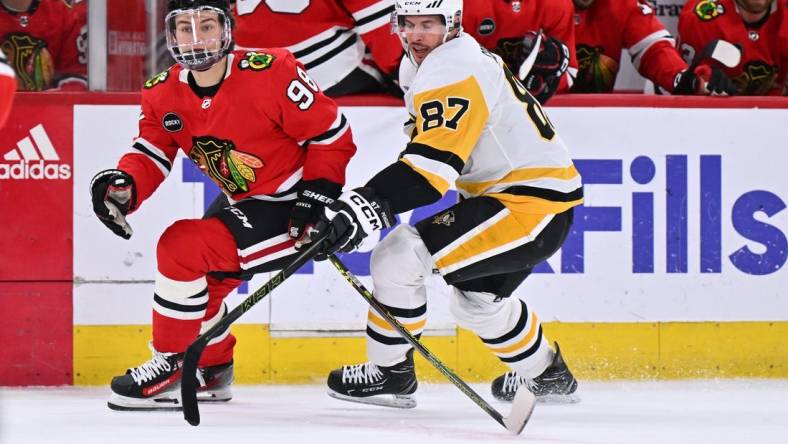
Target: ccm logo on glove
376	220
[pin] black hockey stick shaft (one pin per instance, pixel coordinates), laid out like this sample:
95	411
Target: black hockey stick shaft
189	383
408	336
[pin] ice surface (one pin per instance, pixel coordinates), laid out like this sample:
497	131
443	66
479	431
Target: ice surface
697	411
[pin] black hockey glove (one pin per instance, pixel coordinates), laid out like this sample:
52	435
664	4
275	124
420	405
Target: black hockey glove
114	195
313	195
704	80
351	218
551	63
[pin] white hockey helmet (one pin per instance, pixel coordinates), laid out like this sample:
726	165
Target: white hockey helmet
203	45
450	12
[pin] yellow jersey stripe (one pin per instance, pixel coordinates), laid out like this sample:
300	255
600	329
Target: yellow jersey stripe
437	182
534	205
520	175
510	231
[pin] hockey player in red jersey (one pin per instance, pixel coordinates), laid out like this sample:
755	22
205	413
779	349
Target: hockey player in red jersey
604	27
758	27
258	125
7	88
346	45
45	44
508	27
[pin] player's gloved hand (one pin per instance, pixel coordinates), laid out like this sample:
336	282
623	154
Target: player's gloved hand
313	195
704	80
551	63
113	194
351	218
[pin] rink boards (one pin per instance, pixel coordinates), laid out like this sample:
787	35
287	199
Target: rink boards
675	266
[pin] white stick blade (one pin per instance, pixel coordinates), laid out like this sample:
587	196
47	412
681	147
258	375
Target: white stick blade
529	61
522	408
726	53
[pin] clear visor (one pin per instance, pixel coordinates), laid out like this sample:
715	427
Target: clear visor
197	37
405	25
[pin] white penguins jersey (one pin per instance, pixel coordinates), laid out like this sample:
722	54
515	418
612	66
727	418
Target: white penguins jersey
473	124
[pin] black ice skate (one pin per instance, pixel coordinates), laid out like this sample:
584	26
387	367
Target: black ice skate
215	382
155	385
370	384
555	385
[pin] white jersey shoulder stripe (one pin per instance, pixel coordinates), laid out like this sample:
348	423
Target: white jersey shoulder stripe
637	50
444	170
337	130
318	40
373	16
330	55
6	70
153	153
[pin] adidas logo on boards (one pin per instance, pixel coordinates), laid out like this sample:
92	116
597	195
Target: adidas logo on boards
34	158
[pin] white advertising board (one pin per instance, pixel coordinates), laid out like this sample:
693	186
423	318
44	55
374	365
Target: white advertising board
685	220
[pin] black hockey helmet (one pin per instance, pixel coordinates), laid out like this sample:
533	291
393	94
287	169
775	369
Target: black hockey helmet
199	32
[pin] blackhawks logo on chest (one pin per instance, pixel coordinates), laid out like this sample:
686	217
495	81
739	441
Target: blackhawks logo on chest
231	169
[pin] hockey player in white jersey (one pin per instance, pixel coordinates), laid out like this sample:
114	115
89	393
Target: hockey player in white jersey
474	125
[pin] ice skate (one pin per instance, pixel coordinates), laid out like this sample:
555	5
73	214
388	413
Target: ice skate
215	383
370	384
156	384
555	385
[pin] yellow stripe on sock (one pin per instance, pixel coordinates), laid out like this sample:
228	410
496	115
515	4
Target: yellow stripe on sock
380	322
522	343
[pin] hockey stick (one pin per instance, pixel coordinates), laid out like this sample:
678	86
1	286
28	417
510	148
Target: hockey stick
721	51
189	384
524	400
529	61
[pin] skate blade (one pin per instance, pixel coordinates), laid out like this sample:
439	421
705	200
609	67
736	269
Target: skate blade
571	398
395	401
215	395
163	404
127	404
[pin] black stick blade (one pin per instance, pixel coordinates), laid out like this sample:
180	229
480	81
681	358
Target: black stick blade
189	383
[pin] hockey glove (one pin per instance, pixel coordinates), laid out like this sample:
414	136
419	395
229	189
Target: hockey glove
351	218
114	195
552	61
704	80
313	195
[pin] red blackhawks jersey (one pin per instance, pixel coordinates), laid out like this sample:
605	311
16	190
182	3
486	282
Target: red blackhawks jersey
499	25
7	88
764	45
606	28
46	45
266	128
330	37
